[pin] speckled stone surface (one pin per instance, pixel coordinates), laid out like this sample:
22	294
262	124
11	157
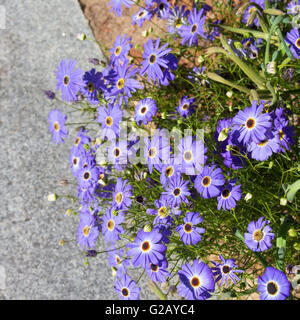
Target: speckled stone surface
38	35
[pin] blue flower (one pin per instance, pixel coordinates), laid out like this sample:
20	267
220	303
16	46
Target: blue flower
229	195
189	233
154	60
196	281
57	126
127	288
145	110
225	270
158	272
69	79
111	228
186	106
92	83
117	6
87	231
120	49
194	28
259	236
273	285
293	39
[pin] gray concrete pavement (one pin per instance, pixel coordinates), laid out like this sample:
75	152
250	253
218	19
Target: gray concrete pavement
37	36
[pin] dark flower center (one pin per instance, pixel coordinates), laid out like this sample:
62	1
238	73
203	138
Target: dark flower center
108	121
226	269
169	171
176	192
116	152
188	227
258	235
206	181
120	83
110	225
145	246
272	288
141	14
195	282
139	199
154	267
125	292
250	123
75	161
225	193
56	126
152	58
185	106
151	152
77	141
86	175
297	43
90	87
163	212
66	80
143	110
161	6
194	28
118	50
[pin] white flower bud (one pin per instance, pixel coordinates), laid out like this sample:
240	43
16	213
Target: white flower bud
81	36
52	197
248	196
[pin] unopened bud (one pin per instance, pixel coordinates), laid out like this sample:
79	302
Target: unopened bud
145	33
248	196
147	228
94	61
52	197
296	246
200	59
223	135
292	232
114	213
61	242
271	67
114	271
81	36
229	94
283	201
69	212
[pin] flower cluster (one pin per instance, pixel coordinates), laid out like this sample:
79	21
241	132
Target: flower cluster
163	178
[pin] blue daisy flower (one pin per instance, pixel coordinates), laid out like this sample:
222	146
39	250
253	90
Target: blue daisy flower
117	6
120	49
177	18
122	195
177	191
57	126
69	79
158	272
147	248
111	228
92	83
273	285
229	195
252	124
208	183
186	106
194	28
225	270
117	260
87	231
145	110
293	39
110	119
141	16
154	59
259	236
196	281
127	288
189	233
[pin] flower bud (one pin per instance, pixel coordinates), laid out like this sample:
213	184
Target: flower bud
271	67
61	242
52	197
145	33
81	36
283	201
115	213
147	228
292	232
114	271
223	135
248	196
296	246
229	94
94	61
69	212
50	95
